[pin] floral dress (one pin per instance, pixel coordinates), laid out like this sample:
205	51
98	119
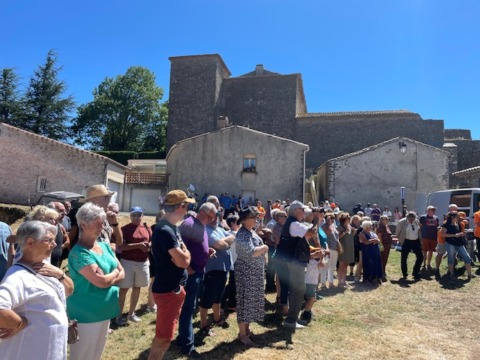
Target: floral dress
249	278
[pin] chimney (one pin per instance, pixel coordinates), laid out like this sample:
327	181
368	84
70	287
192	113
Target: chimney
222	122
259	70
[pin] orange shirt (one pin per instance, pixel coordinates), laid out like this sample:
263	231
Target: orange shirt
261	212
476	223
440	238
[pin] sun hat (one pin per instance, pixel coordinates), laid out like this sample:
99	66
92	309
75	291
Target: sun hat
246	212
96	191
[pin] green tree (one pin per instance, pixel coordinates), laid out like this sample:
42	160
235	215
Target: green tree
126	114
10	99
46	109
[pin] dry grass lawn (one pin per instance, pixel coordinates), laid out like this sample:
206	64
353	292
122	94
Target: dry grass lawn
423	320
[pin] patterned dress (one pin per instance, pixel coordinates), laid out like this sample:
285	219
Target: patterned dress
249	278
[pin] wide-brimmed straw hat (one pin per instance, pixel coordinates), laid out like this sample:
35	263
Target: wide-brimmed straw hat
96	191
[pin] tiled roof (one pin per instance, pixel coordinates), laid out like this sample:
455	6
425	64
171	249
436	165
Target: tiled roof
355	113
60	144
468	171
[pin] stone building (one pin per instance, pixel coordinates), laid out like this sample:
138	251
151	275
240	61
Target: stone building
355	177
240	161
202	90
32	164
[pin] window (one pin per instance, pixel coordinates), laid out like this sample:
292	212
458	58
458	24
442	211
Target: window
249	163
42	184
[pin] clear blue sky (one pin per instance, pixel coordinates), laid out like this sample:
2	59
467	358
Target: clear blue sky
423	56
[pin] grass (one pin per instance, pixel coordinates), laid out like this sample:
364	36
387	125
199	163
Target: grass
425	320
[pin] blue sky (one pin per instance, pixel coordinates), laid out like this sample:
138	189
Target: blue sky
423	56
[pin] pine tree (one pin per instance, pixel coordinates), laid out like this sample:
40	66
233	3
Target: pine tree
10	100
46	108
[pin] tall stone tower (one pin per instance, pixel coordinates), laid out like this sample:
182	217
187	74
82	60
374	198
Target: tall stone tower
195	83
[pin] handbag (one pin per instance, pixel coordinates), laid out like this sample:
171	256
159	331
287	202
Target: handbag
339	247
72	332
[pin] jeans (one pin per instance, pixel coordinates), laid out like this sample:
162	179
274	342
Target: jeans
297	291
452	250
185	337
416	247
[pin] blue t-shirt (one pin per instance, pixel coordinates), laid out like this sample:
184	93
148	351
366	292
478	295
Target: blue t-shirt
169	276
223	258
5	232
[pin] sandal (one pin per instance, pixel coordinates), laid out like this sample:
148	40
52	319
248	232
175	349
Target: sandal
245	340
221	323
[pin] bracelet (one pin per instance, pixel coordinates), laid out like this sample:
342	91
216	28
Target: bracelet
114	225
62	277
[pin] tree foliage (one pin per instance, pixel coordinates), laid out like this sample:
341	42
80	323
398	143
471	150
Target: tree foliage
125	114
10	98
46	110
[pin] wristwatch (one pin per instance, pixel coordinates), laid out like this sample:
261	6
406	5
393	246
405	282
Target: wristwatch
62	277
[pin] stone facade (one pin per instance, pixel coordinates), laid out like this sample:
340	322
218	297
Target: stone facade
201	90
375	175
32	164
278	170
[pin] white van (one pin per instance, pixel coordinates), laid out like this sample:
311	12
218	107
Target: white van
466	200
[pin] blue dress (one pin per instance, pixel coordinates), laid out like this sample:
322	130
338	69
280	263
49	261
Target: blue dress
372	261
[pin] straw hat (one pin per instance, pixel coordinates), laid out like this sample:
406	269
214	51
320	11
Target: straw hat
96	191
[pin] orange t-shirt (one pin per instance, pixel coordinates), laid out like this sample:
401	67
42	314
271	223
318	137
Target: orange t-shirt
261	212
476	221
440	238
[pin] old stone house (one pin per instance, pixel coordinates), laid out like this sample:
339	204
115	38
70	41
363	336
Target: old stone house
376	174
32	165
240	161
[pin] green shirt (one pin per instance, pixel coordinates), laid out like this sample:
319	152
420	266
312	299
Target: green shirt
89	303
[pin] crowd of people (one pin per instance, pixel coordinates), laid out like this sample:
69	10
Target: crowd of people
219	255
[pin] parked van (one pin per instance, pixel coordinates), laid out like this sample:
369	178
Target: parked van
466	200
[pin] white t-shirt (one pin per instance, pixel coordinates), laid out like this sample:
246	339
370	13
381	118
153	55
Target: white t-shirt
311	276
298	229
41	300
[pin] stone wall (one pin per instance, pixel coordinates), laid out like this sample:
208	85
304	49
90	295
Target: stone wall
219	166
26	156
468	153
454	134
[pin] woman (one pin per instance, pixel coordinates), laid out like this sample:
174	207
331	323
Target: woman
397	215
282	295
346	235
355	223
372	263
249	275
94	270
453	234
385	236
332	241
33	320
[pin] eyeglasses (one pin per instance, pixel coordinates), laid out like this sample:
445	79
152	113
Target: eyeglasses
50	240
136	215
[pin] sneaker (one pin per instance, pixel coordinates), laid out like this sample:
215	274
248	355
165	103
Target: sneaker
293	326
152	309
437	274
307	316
194	355
302	322
318	296
134	318
121	320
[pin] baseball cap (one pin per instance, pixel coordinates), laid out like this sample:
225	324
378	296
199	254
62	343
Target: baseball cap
176	197
136	209
296	205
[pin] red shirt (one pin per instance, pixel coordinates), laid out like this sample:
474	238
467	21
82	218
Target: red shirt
135	234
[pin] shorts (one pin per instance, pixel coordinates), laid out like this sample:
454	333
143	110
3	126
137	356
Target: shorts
137	274
213	288
310	290
441	249
169	306
429	244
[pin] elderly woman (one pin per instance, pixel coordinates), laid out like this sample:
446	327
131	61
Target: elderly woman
346	235
372	263
332	240
385	235
452	233
33	320
94	270
249	275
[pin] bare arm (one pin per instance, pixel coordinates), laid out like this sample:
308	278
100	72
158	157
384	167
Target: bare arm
180	256
47	269
224	243
11	323
260	250
95	275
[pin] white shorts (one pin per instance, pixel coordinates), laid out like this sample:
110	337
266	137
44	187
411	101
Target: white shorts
137	274
441	249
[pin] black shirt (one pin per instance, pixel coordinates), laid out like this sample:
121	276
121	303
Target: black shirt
169	276
452	230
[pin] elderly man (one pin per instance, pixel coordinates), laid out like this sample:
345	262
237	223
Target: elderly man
429	224
135	250
293	249
172	258
195	237
100	196
5	248
409	235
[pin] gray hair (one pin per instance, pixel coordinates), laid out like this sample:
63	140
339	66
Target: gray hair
34	229
89	212
208	207
366	223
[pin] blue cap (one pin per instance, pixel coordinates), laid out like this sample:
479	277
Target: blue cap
136	209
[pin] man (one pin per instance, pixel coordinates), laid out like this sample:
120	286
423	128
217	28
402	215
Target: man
5	248
100	196
368	210
67	224
172	258
293	250
195	237
62	240
375	213
135	250
476	229
429	224
409	235
216	271
357	208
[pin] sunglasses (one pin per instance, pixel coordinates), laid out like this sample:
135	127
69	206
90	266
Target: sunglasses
413	227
